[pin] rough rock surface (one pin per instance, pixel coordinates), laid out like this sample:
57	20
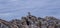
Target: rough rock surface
31	21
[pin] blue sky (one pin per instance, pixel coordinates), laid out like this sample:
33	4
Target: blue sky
15	9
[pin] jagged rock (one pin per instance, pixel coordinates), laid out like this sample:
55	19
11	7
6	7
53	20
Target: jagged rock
31	21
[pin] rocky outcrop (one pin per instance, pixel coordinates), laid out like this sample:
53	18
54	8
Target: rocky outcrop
31	21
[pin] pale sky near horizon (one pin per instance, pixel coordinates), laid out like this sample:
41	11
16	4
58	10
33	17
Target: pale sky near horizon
13	9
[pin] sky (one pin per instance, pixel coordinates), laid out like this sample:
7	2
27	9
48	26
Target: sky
15	9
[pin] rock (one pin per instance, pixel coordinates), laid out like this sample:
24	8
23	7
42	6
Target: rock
31	21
